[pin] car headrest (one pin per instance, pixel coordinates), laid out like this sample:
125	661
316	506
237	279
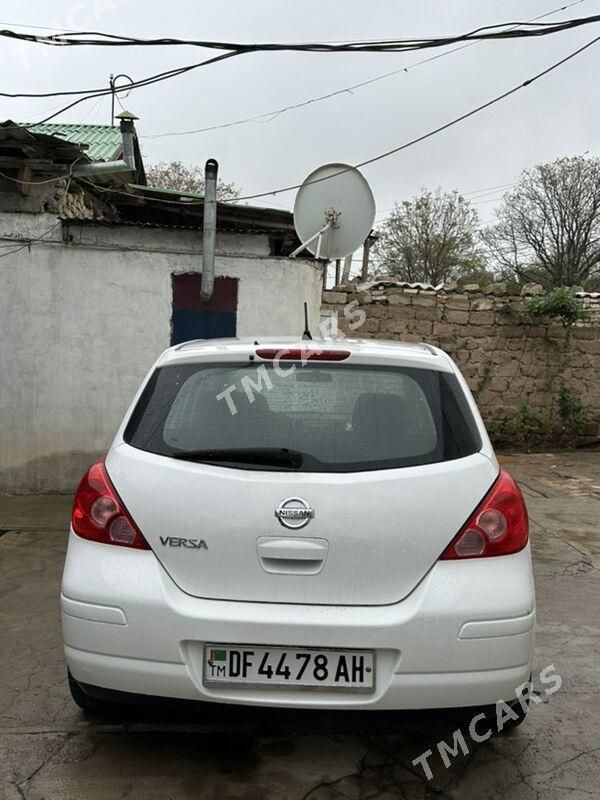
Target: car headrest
376	411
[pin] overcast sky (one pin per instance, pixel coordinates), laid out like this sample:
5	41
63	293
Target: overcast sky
559	115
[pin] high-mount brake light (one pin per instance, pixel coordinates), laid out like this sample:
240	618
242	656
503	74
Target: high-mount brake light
302	354
99	513
498	526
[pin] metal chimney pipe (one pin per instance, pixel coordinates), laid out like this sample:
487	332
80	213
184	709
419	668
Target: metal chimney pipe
127	133
209	232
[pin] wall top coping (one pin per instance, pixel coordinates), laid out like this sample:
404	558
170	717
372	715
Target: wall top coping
381	284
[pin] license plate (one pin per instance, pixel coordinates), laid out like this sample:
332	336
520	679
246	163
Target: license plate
288	666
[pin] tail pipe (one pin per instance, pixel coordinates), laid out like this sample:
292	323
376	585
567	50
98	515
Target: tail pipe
210	229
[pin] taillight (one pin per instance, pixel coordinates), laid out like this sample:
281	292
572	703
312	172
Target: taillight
498	526
99	513
299	354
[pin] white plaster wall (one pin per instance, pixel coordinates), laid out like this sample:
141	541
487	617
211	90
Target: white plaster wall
82	323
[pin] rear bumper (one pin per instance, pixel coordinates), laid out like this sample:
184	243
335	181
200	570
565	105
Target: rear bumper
464	637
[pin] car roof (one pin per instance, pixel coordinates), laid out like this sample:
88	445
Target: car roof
377	350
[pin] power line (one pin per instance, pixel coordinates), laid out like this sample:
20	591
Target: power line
544	28
92	112
38	27
478	192
71	30
275	112
504	30
489	200
406	145
381	155
489	189
437	130
100	90
110	90
269	116
474	37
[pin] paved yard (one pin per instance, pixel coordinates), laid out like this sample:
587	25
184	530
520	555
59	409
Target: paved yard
49	750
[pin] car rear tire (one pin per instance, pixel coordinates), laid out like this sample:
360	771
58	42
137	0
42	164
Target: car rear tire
93	706
509	724
519	709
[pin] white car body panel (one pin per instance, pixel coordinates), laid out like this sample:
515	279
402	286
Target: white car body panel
445	633
423	660
385	528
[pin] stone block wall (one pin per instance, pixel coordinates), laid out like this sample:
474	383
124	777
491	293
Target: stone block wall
507	359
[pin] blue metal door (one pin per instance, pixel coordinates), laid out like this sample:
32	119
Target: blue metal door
194	318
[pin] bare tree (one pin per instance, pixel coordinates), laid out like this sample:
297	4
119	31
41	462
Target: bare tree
186	178
431	238
548	227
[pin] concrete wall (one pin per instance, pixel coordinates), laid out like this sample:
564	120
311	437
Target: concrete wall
507	359
81	324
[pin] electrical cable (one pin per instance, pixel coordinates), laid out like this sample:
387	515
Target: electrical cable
38	27
380	156
489	189
150	80
110	90
92	112
147	198
435	131
241	49
102	90
268	116
488	200
30	242
406	145
504	30
472	192
68	174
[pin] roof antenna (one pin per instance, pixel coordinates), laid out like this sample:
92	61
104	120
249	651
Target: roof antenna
306	334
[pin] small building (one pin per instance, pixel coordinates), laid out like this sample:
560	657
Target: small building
99	273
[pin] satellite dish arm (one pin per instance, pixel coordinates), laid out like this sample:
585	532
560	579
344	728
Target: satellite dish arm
318	235
347	268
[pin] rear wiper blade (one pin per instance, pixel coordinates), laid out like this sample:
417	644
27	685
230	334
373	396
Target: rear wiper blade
275	456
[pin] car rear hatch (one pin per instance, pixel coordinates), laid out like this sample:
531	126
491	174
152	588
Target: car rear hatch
338	484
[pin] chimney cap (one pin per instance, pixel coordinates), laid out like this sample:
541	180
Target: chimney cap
126	115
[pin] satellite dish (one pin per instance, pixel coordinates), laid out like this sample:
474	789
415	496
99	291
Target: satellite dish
334	211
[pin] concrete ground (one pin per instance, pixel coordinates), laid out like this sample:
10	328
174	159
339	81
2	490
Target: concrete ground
48	749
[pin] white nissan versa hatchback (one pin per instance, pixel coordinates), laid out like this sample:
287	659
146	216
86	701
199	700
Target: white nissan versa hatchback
302	524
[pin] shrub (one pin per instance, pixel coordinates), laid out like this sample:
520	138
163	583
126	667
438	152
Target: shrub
560	304
571	416
529	428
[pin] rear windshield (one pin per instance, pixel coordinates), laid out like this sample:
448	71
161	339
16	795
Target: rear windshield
317	417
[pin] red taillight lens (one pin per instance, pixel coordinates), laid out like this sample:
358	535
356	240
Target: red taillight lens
299	354
99	513
498	526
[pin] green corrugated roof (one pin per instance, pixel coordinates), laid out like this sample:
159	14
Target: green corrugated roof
104	142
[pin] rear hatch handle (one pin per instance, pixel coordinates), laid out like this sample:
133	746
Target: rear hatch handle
292	556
